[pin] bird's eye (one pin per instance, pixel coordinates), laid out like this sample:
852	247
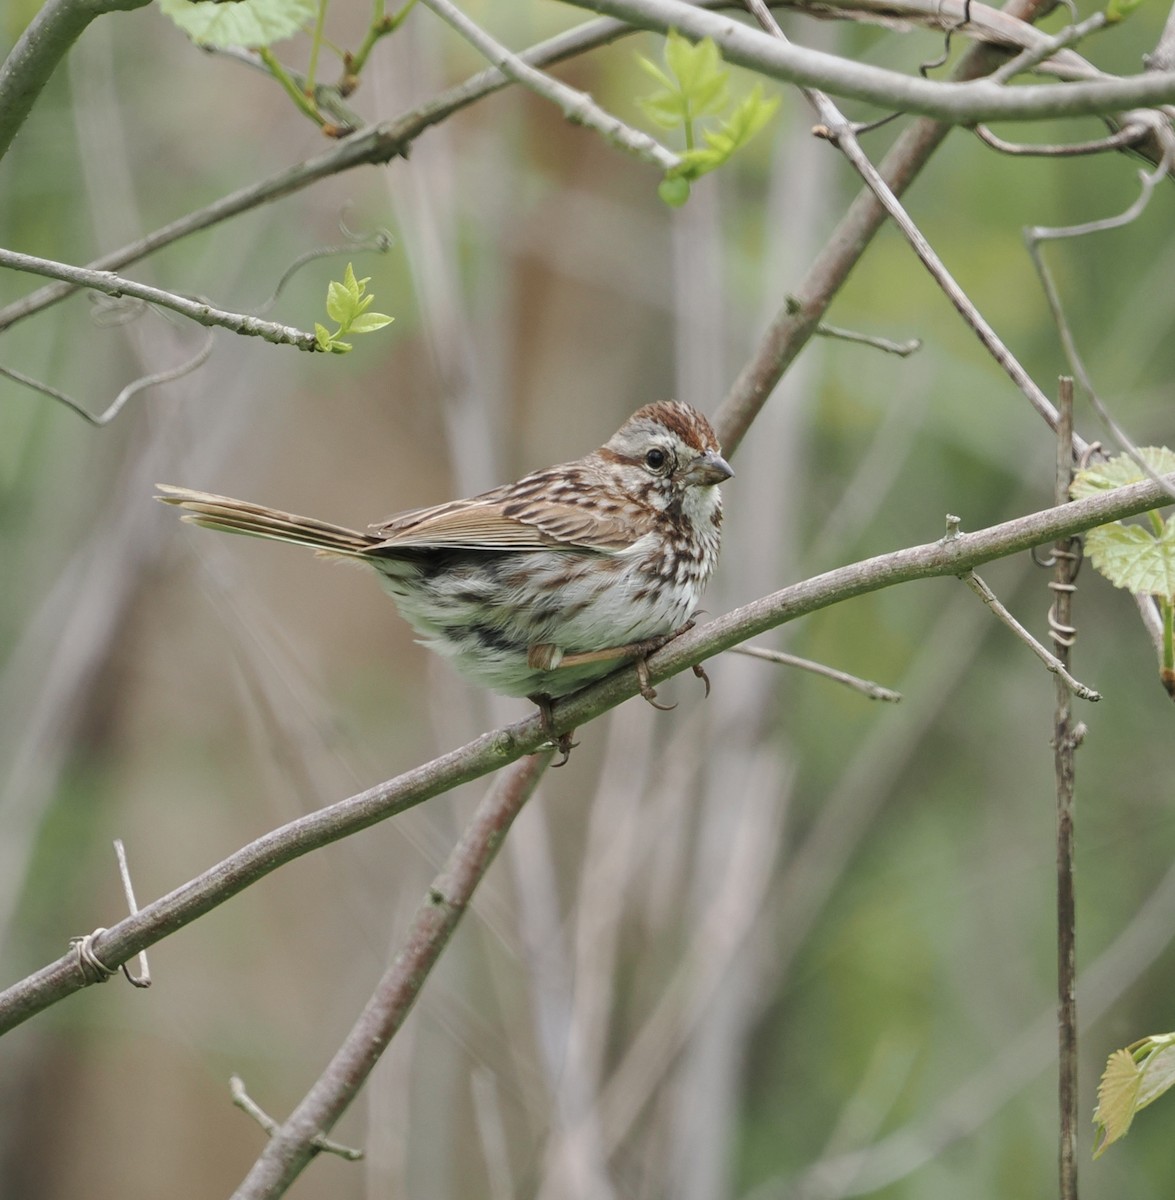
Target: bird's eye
655	459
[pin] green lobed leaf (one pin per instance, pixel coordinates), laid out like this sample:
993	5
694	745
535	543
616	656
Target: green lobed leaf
322	336
695	66
1134	558
252	23
1120	471
710	96
1117	1094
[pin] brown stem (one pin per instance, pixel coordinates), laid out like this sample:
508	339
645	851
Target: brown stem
1066	738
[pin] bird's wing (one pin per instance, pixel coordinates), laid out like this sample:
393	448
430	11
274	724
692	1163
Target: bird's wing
510	519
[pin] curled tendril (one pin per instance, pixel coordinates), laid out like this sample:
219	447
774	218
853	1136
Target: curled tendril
131	390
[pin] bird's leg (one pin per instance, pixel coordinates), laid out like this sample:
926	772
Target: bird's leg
546	656
561	741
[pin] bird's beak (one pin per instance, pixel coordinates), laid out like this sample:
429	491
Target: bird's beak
706	470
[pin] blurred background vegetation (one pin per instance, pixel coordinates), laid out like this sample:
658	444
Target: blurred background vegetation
725	948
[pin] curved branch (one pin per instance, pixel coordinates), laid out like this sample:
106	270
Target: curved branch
496	749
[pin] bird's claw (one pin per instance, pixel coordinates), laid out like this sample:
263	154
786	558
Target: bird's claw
559	741
647	689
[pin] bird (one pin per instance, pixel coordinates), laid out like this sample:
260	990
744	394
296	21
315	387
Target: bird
539	587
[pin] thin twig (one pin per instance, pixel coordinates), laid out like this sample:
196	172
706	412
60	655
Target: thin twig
197	310
292	1144
1117	140
578	107
875	691
901	349
1051	661
499	747
1066	738
247	1104
143	978
1047	47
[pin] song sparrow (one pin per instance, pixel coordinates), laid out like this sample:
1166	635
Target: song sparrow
539	587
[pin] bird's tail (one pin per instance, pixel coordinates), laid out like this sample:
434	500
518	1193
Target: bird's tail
239	516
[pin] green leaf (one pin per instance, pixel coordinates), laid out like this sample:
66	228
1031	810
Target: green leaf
695	84
340	304
1120	471
370	322
651	68
699	72
347	302
1134	558
752	113
252	23
1133	1078
1117	1096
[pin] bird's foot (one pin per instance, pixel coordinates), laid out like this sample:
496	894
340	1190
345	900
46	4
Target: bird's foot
561	741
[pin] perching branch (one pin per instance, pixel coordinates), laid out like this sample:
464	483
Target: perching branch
499	747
